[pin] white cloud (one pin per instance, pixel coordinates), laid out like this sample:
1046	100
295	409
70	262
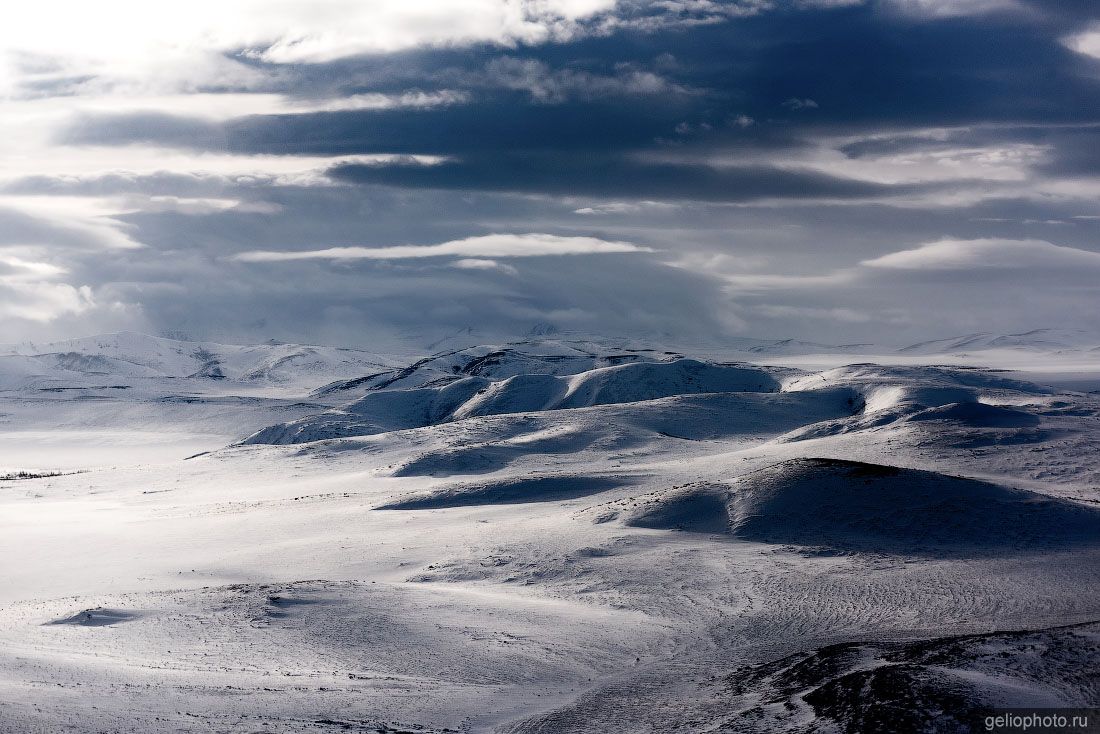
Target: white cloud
345	27
480	264
197	205
89	219
625	207
987	253
954	8
552	86
925	155
42	302
1086	42
376	101
29	289
14	268
485	246
113	34
1010	162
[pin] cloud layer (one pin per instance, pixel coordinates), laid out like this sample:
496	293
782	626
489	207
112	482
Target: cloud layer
844	170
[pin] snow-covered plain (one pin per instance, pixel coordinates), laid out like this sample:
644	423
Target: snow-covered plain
550	535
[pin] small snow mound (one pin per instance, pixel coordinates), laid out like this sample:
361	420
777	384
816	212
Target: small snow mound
978	415
508	492
849	505
699	508
97	617
901	397
650	380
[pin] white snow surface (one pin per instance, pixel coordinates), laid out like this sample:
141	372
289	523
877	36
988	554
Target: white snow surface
550	535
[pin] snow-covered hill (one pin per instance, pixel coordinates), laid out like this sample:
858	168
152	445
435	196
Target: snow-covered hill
1042	340
389	409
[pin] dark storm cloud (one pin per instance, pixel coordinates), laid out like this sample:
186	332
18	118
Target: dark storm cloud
1075	152
162	183
849	70
1062	13
508	122
608	176
145	128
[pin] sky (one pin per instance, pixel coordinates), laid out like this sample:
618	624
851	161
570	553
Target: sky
348	172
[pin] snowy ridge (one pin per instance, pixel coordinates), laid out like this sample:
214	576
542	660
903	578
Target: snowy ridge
132	355
467	397
1034	340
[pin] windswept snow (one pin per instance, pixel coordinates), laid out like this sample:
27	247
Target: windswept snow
943	684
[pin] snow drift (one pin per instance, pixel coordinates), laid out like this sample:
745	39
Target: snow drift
849	505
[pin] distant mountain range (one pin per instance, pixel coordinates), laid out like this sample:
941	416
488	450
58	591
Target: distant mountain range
545	350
